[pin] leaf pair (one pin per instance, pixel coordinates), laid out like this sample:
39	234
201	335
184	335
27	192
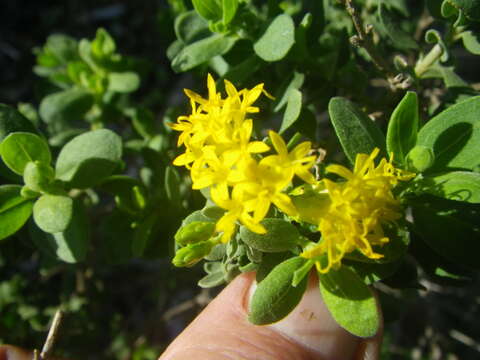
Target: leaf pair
348	299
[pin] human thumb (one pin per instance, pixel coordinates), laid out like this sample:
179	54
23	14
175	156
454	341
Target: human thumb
222	331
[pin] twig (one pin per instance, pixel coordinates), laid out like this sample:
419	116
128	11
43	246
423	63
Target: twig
51	337
201	300
364	40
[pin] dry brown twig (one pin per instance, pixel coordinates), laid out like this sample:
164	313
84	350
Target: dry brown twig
51	337
364	40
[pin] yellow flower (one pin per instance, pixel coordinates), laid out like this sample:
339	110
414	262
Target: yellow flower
357	208
297	160
219	153
238	208
265	184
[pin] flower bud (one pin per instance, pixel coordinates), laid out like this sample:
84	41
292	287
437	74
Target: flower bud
420	158
195	232
193	253
38	176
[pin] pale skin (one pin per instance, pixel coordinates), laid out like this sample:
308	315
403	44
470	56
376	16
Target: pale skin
222	332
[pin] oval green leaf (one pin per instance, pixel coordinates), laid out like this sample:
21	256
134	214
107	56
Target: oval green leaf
450	228
124	82
189	26
277	40
202	51
14	210
73	242
53	213
19	148
454	136
292	112
357	133
229	8
455	185
65	106
403	127
89	158
208	9
11	120
350	302
275	297
281	236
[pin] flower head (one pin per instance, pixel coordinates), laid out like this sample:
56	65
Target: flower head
356	209
221	155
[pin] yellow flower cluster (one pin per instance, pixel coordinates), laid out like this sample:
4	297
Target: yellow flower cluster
356	208
220	155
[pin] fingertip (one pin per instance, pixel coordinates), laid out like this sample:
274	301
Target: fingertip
9	352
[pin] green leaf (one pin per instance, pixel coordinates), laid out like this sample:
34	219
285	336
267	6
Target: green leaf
11	120
213	212
142	234
189	27
103	45
14	210
455	185
62	47
208	9
70	245
275	297
65	106
373	272
196	216
471	42
172	185
229	8
212	280
117	237
450	228
357	133
202	51
269	262
350	302
124	82
277	40
403	127
38	176
53	213
296	83
89	158
129	192
470	8
281	236
454	136
433	36
20	148
400	38
294	107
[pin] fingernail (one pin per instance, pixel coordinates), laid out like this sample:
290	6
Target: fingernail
311	325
